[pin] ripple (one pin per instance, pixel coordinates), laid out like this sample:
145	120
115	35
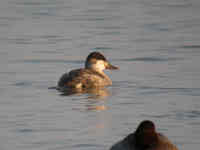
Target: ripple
110	27
102	48
110	33
44	13
185	115
178	5
32	3
23	84
157	116
25	130
8	73
96	19
157	27
171	4
11	18
87	145
190	46
150	59
36	61
19	40
50	36
161	90
91	10
47	52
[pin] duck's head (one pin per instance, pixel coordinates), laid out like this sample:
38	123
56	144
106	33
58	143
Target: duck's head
146	135
96	61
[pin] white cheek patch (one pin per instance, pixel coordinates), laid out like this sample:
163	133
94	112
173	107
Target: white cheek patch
100	65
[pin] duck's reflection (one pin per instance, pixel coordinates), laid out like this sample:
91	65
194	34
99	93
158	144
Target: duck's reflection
95	93
95	97
100	93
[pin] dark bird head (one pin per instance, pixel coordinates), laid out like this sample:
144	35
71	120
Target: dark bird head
145	135
98	62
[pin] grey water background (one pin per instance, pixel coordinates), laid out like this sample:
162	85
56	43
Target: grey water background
155	43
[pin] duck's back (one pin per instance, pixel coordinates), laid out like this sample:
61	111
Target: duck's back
122	145
81	78
164	144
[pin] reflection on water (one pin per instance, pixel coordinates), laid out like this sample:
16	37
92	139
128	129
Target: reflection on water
100	93
94	93
97	108
95	97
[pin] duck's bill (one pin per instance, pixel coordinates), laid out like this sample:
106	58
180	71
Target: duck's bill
111	67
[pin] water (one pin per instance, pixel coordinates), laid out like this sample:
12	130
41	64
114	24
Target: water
155	43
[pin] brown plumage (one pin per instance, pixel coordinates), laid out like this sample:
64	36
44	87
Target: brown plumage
145	138
81	77
92	76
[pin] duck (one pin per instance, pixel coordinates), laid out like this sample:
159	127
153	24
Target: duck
145	138
91	76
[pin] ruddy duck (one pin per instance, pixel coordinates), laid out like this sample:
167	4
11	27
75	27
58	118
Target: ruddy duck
89	77
145	138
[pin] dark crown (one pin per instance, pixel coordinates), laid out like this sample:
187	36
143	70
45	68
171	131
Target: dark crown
146	135
95	55
146	125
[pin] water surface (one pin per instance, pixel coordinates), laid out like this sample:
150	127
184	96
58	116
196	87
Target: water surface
155	43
